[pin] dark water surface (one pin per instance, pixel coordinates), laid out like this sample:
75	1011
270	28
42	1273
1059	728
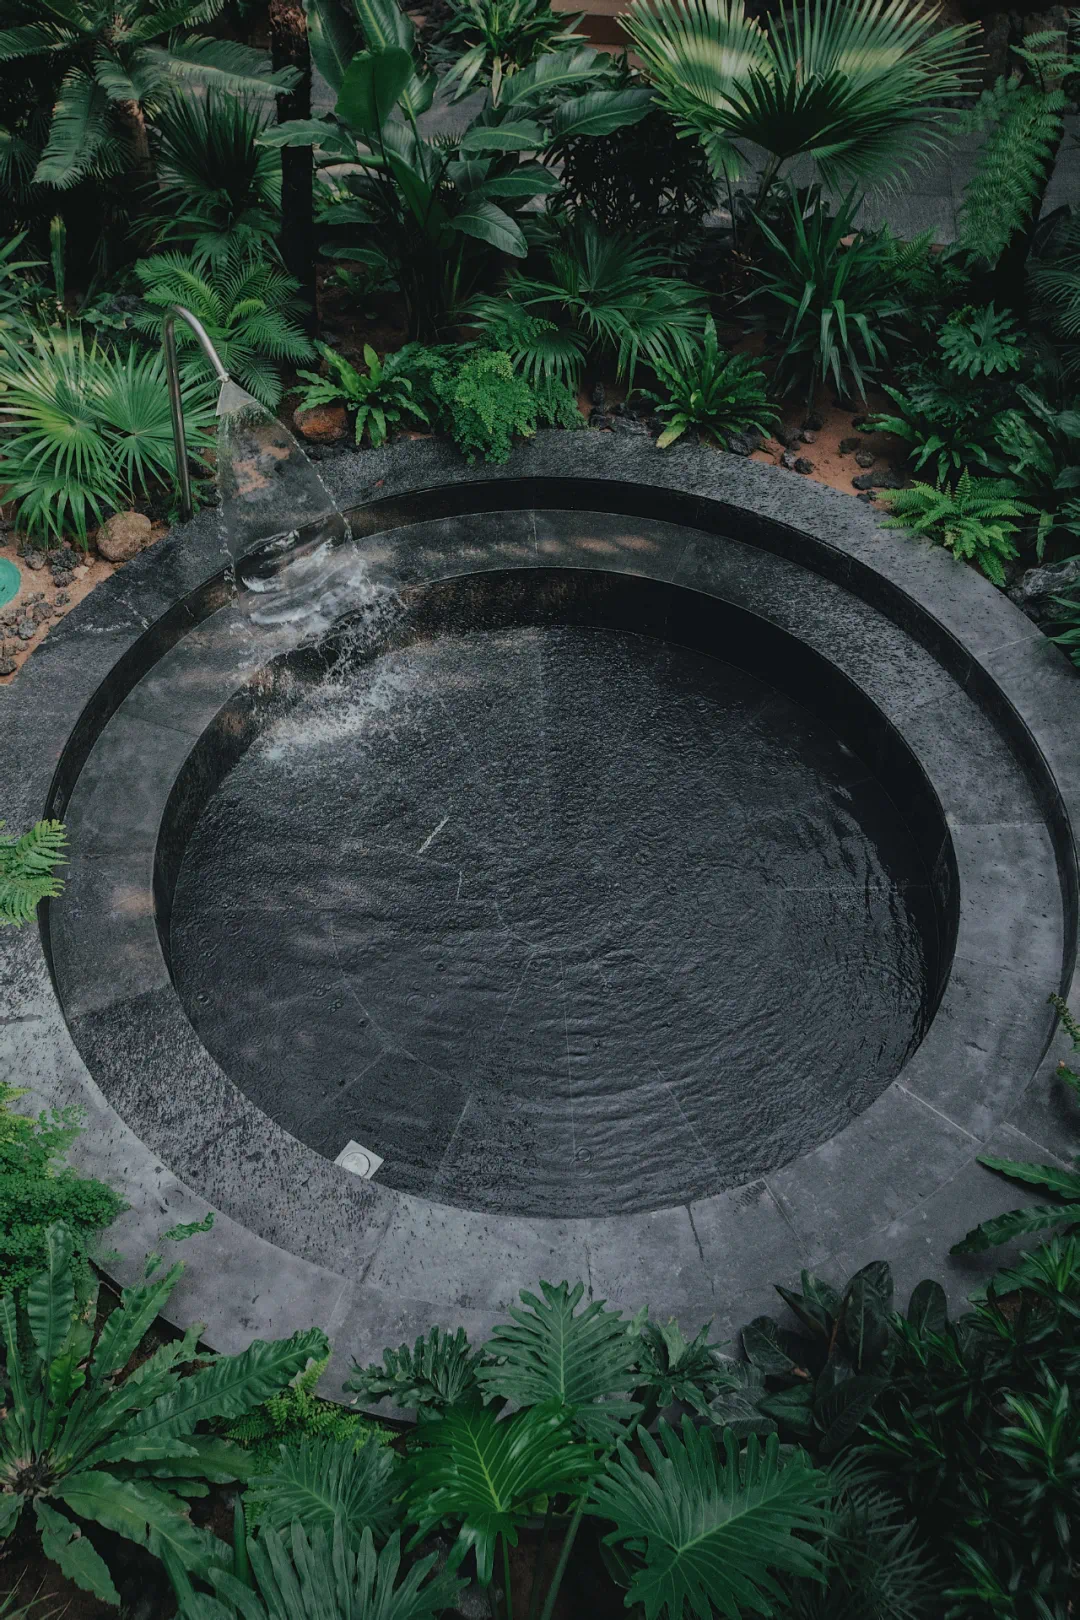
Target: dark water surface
557	920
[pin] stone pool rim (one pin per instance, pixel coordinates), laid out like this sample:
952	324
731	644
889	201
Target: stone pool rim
242	1284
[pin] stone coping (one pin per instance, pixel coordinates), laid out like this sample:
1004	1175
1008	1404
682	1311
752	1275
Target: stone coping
989	707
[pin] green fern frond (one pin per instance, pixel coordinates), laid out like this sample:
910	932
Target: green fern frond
27	873
974	520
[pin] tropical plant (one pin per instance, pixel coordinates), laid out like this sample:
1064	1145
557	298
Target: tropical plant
322	1481
295	1416
435	211
704	1529
383	397
975	519
719	395
831	294
1021	117
13	282
1055	282
1063	1184
117	58
505	35
601	295
215	189
644	178
860	86
978	1435
941	424
38	1188
248	307
980	342
1036	448
483	403
91	430
28	863
81	1441
439	1371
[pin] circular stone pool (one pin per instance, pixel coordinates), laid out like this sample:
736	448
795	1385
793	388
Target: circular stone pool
660	871
556	915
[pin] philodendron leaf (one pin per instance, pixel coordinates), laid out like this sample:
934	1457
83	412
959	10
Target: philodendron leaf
709	1529
486	1474
864	1325
66	1545
928	1308
372	87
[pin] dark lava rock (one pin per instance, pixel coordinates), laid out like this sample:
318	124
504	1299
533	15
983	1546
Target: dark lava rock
744	444
788	460
804	465
40	612
865	458
34	560
879	480
7	666
867	496
597	419
25	629
1036	588
814	423
628	426
846	446
859	421
863	481
62	598
63	577
807	437
790	441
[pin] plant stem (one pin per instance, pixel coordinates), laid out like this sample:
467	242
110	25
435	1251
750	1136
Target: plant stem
564	1557
508	1601
538	1567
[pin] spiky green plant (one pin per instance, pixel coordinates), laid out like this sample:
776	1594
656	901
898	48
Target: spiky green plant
117	59
383	398
718	395
860	86
90	430
83	1439
326	1577
249	309
975	519
216	188
28	863
506	36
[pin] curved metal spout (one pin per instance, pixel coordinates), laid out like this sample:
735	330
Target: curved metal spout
176	405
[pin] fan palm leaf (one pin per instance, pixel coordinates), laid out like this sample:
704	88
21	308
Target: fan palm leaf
859	85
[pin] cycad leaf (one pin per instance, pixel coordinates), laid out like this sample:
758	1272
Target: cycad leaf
554	1352
329	1479
76	134
708	1529
488	1473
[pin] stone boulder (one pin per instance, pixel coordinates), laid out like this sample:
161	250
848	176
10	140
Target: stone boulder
1036	588
123	536
322	424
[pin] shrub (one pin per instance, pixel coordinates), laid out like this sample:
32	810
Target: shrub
980	342
295	1415
92	430
217	189
506	35
383	398
939	424
81	1441
483	402
248	307
833	303
37	1189
27	870
974	520
719	395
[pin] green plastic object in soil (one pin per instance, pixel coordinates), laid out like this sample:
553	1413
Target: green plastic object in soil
10	580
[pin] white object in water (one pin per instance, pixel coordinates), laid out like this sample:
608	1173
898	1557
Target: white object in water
360	1160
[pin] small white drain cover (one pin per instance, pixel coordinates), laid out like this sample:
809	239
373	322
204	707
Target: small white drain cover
360	1160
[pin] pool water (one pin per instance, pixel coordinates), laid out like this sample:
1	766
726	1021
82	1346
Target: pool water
10	580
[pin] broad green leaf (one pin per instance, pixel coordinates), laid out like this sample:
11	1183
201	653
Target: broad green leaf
126	1326
486	1474
1016	1223
928	1308
761	1343
599	112
333	39
839	1412
66	1545
554	1351
50	1298
321	132
328	1479
521	136
1066	1183
371	88
709	1529
231	1385
864	1325
491	225
552	72
134	1509
793	1408
11	1505
527	180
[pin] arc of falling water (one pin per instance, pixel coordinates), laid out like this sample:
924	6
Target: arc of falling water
176	406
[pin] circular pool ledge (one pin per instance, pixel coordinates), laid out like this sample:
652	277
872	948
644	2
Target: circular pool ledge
950	696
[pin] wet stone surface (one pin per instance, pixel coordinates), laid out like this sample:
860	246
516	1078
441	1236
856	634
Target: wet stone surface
559	920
